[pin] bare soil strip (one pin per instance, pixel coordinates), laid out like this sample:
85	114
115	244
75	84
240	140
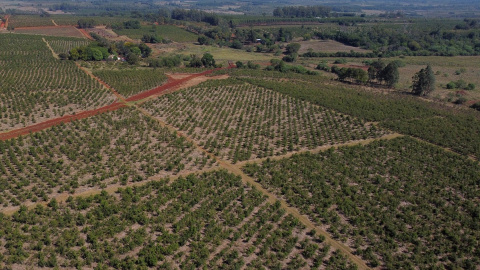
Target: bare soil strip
114	106
87	35
321	149
235	169
50	48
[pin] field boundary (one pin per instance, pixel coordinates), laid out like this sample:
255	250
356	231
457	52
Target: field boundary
50	48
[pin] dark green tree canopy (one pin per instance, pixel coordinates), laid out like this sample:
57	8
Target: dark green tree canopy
423	82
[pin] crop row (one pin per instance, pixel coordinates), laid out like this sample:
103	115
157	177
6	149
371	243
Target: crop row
132	81
455	129
69	19
112	148
241	121
400	204
64	44
207	221
36	86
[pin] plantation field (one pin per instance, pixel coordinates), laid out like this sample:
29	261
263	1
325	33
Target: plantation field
441	125
399	204
68	19
36	86
171	32
240	121
113	148
65	44
59	31
201	221
131	81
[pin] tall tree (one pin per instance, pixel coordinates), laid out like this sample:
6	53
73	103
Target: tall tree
423	82
390	74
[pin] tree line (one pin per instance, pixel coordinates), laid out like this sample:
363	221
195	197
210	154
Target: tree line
302	11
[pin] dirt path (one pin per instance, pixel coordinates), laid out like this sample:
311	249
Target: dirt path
50	48
169	86
235	169
85	34
322	148
89	73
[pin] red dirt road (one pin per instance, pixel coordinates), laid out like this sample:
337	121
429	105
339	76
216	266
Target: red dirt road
112	107
87	35
53	122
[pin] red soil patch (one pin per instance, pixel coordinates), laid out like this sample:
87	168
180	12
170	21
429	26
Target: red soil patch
87	35
112	107
53	122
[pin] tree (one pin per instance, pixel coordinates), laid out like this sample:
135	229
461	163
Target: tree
293	48
375	70
195	61
207	60
423	82
132	58
390	74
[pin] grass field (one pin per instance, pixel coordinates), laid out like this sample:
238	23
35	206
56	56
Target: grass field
170	32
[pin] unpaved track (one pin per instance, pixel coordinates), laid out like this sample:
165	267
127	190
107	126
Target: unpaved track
236	169
50	48
85	34
172	84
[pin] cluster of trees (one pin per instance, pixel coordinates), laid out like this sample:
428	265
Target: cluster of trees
249	65
280	65
131	24
419	40
264	40
103	48
86	23
195	15
167	61
207	60
302	11
152	38
468	24
460	84
357	74
381	73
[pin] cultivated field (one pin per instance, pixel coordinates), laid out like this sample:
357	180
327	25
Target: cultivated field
395	207
171	32
65	44
115	148
36	86
209	220
242	121
59	31
128	82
